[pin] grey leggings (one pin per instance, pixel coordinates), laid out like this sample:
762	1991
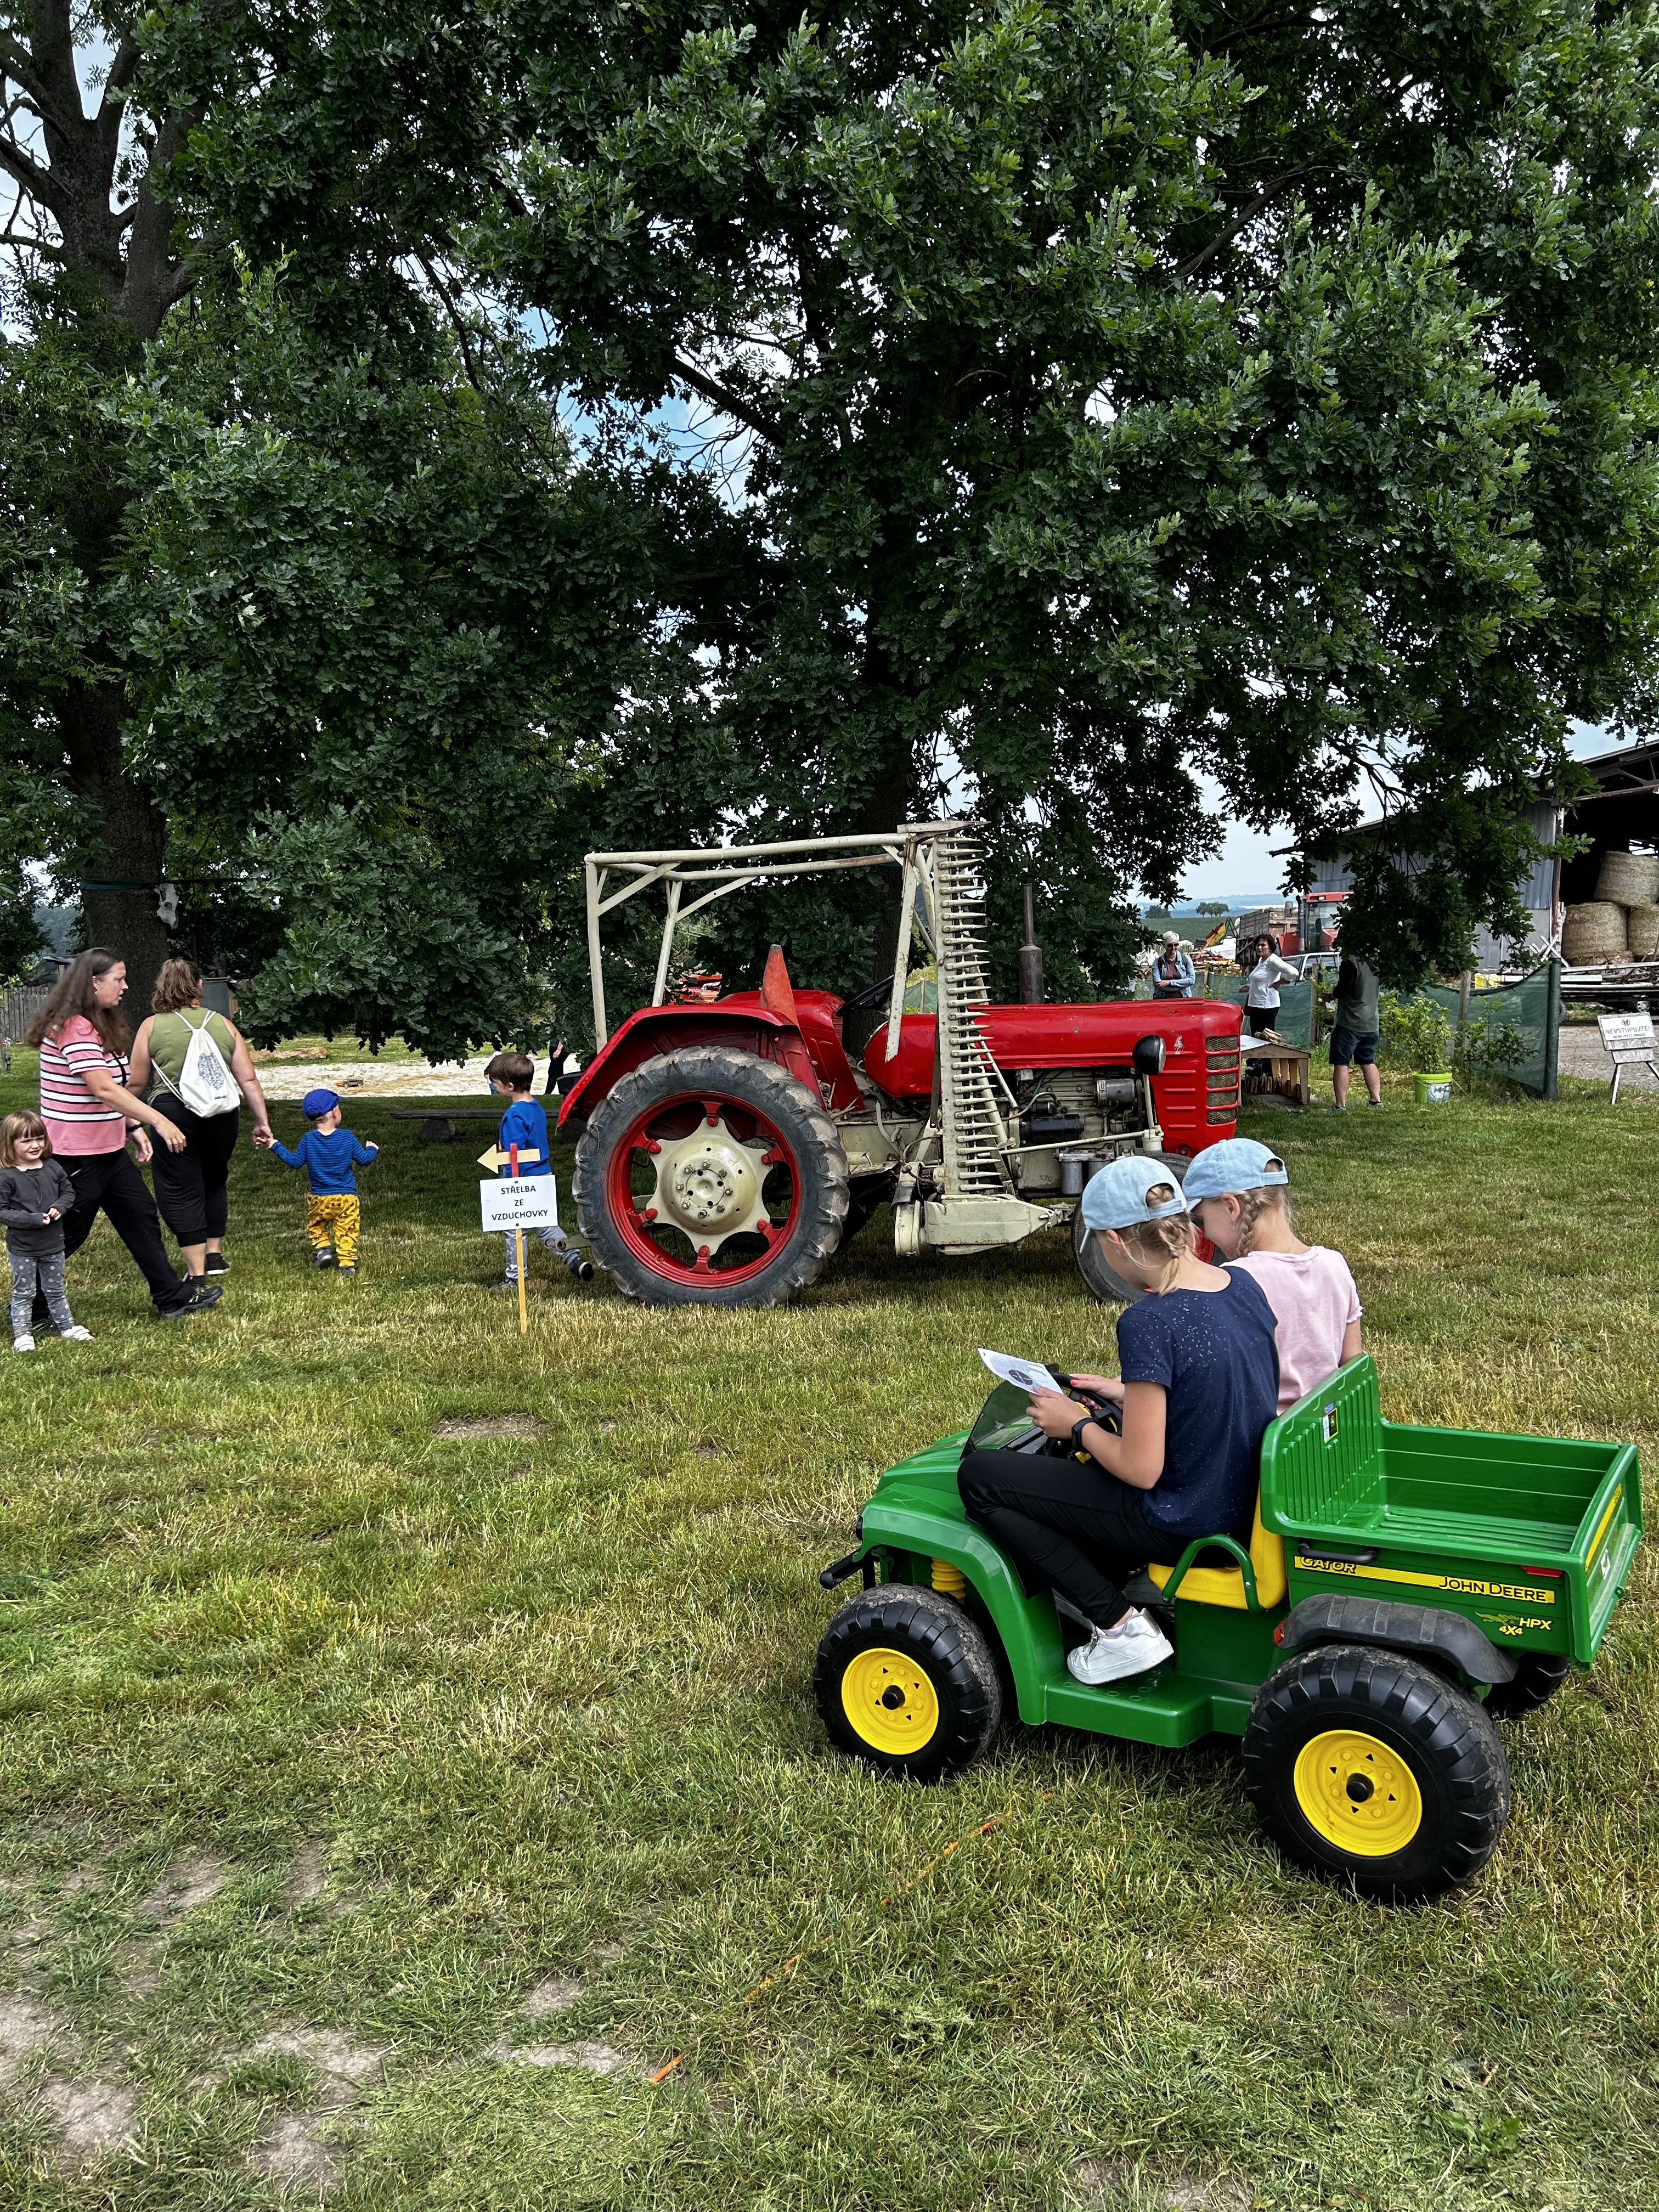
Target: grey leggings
544	1232
47	1269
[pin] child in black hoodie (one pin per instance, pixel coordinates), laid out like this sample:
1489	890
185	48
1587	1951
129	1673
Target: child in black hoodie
35	1194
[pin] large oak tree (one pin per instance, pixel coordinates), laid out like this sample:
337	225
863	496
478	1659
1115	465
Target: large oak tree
301	611
1113	394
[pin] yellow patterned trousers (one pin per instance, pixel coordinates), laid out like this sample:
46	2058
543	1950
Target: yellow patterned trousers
333	1220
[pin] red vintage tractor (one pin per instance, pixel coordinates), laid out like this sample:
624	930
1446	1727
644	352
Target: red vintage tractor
726	1147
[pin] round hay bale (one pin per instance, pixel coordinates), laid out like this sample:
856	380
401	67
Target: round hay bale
1629	878
1644	933
1593	932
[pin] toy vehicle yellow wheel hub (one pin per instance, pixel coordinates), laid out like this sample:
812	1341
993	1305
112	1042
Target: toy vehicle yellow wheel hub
1358	1792
892	1703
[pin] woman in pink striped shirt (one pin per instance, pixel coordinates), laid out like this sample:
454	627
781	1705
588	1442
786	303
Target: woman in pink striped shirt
86	1106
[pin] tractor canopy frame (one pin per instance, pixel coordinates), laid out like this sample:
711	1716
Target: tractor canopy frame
728	868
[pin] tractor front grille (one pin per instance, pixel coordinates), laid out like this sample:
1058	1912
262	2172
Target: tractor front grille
1221	1071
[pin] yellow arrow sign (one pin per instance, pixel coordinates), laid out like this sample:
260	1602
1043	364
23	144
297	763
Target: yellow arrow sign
495	1157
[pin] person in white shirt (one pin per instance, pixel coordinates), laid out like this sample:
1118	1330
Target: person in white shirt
1261	993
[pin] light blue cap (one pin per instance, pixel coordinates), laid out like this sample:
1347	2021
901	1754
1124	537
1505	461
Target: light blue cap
1117	1198
1238	1164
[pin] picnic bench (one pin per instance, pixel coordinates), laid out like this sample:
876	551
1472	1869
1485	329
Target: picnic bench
438	1122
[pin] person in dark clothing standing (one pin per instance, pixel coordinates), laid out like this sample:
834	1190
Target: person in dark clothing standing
86	1107
189	1185
1355	1032
35	1195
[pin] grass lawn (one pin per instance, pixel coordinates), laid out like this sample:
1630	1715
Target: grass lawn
361	1766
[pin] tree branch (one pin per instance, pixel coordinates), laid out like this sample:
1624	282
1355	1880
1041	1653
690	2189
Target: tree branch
17	66
1252	207
1262	27
453	316
111	107
25	171
727	402
122	70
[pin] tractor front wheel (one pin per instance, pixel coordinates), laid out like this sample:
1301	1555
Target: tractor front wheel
711	1177
906	1681
1372	1769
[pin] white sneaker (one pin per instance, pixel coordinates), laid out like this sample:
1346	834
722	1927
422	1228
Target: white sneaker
22	1344
1131	1648
78	1334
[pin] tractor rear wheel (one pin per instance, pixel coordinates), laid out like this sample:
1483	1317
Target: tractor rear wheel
1538	1675
906	1681
1372	1769
1100	1278
711	1177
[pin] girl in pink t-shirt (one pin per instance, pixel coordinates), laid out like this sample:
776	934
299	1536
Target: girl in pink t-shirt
1238	1193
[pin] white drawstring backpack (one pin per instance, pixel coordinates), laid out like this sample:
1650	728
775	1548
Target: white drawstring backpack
205	1085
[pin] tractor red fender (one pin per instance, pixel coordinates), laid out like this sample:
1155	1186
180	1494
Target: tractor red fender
655	1031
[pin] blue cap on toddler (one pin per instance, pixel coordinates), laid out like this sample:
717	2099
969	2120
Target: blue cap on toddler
1238	1164
318	1101
1117	1197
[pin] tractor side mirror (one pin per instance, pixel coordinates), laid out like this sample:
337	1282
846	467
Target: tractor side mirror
1148	1056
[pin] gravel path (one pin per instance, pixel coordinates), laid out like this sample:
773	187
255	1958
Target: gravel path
393	1078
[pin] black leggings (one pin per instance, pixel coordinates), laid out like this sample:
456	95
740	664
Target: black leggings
112	1181
1257	1018
1070	1528
189	1186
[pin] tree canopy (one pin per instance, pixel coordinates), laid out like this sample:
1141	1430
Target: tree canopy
1062	408
1115	395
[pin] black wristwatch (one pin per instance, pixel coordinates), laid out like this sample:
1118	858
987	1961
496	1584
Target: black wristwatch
1082	1449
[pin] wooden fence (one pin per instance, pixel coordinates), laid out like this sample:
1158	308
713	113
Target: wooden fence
19	1007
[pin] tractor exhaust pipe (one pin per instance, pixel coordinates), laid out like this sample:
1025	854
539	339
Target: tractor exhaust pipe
1030	961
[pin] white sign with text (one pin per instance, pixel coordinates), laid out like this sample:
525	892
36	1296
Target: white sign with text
519	1202
1626	1035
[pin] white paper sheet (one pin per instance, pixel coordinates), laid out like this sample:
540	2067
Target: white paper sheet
1026	1374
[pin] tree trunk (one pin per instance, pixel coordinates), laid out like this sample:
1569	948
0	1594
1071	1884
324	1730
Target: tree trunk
129	274
126	851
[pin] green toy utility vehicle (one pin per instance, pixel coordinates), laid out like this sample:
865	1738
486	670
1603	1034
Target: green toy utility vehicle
1401	1586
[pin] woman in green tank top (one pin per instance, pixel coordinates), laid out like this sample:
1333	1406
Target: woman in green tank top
191	1185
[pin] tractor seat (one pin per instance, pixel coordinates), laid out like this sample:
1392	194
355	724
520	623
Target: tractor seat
1226	1585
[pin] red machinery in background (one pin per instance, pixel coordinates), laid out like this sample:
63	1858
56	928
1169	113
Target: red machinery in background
725	1148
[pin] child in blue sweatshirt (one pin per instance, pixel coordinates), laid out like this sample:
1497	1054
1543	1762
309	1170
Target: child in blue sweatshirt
524	1124
328	1153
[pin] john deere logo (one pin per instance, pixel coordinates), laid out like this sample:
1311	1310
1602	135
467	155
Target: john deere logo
1328	1423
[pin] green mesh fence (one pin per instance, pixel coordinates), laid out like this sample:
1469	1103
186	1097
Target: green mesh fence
1509	1031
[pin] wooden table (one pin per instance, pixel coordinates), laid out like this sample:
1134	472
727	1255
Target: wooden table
1288	1066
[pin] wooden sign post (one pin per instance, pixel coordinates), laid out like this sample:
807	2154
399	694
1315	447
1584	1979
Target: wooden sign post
1628	1041
516	1202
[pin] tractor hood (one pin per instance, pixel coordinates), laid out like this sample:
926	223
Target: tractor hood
1043	1037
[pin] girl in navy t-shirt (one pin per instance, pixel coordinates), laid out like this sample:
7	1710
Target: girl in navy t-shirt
1199	1386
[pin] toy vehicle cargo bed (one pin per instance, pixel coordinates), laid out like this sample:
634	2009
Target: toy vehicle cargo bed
1530	1535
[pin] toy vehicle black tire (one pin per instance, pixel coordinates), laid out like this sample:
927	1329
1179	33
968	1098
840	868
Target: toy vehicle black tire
943	1645
1100	1278
1435	1781
1538	1676
723	1072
